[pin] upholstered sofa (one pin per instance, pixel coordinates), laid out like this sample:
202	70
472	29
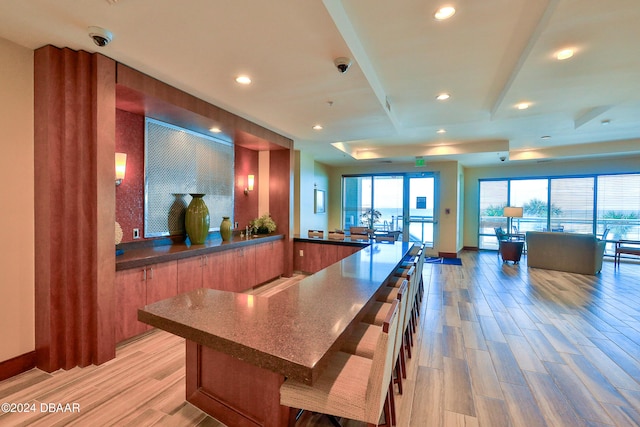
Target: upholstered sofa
571	252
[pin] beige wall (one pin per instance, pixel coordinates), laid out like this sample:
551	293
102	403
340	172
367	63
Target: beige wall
472	177
17	327
448	195
309	175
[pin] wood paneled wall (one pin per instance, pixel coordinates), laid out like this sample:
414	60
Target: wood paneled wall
74	114
281	200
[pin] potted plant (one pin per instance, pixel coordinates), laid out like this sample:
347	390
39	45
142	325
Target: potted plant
263	224
370	217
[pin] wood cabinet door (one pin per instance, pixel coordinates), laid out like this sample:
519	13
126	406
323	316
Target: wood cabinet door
162	281
131	294
213	271
190	273
238	272
269	261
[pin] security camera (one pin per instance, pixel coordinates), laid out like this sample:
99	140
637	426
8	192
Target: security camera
100	36
502	158
342	64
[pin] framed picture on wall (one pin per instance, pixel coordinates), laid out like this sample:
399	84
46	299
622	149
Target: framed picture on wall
319	205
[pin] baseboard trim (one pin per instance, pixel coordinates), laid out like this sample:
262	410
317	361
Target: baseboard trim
470	248
448	254
17	365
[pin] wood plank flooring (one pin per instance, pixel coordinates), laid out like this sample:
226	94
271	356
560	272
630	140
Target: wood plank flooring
498	345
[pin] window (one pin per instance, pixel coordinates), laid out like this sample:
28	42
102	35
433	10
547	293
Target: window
619	206
587	204
573	201
494	196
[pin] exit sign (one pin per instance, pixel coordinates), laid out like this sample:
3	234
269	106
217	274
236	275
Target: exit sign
419	162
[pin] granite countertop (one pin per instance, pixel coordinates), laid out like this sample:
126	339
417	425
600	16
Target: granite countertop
146	255
292	332
345	242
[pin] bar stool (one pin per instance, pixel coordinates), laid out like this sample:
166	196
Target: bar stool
361	342
359	233
315	234
351	386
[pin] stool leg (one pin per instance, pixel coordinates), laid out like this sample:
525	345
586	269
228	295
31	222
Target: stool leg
398	378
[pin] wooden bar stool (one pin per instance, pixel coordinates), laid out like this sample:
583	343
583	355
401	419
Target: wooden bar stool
351	386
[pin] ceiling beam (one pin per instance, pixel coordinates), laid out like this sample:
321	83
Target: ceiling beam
350	36
524	54
589	115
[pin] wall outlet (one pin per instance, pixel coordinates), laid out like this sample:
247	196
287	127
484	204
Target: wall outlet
236	225
301	252
136	233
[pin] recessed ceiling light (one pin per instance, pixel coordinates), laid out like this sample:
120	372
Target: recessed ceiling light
443	97
523	105
445	12
441	131
564	54
605	122
317	127
215	129
243	80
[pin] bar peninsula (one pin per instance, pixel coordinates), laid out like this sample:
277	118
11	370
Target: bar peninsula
241	347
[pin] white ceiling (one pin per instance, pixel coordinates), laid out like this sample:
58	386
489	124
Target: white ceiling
491	55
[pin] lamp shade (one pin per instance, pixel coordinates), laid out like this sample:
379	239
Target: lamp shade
512	212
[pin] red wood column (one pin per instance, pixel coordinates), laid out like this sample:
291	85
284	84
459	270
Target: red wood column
74	112
281	200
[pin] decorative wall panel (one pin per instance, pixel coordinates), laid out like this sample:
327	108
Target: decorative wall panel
179	162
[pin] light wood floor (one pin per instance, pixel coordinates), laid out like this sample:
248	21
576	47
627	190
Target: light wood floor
498	345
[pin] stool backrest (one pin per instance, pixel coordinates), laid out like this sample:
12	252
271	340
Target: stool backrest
381	366
316	233
359	233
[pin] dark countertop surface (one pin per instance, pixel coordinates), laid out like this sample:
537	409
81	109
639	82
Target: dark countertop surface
291	332
346	242
147	255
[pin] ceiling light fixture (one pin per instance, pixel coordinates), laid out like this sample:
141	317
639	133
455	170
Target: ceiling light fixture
443	97
523	105
605	122
317	127
441	131
215	129
243	80
545	137
564	54
445	12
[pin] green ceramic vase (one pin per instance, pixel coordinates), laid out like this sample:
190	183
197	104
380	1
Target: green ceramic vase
196	220
225	229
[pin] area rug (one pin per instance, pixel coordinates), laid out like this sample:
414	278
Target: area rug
440	260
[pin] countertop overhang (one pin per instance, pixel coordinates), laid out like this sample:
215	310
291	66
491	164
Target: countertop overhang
292	332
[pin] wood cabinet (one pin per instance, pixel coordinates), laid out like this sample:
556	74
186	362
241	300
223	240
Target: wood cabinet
234	270
311	257
131	294
137	287
269	261
162	281
239	269
190	273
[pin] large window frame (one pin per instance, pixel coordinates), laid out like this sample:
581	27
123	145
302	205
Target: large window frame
591	204
360	202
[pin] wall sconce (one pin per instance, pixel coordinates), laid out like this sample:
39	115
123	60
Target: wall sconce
121	167
249	187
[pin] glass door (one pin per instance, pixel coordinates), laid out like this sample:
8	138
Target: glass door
402	205
420	207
